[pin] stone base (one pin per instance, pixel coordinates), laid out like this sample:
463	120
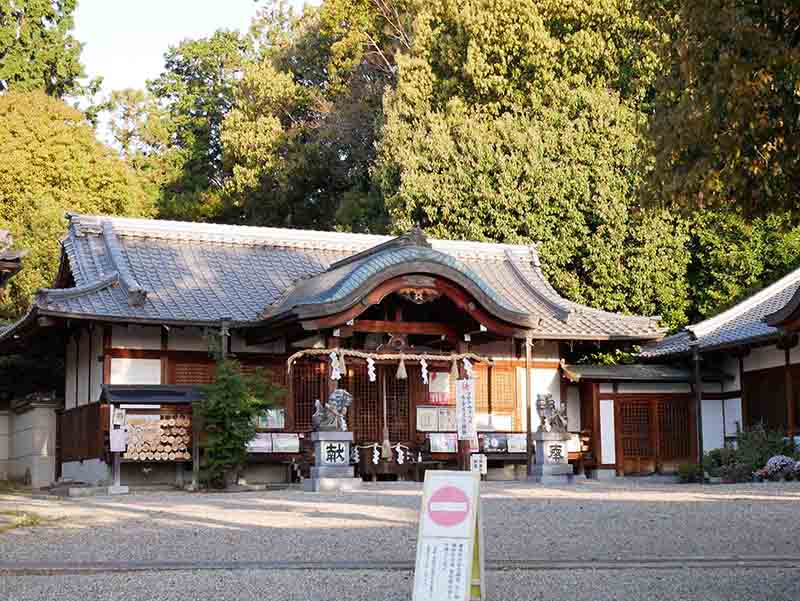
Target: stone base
328	471
118	490
604	474
331	484
552	474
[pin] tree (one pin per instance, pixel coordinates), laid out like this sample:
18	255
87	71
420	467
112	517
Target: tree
196	92
51	163
726	126
229	410
37	50
519	122
301	139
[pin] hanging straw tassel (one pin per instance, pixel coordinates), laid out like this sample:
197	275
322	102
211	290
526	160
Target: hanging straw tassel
401	370
342	364
454	370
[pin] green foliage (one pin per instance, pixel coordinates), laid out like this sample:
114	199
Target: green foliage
177	124
726	124
756	445
37	50
51	163
732	257
519	122
229	410
716	461
690	472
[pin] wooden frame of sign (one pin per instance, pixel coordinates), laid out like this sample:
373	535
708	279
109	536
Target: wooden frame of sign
450	547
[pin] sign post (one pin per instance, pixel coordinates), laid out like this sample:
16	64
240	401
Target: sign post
450	550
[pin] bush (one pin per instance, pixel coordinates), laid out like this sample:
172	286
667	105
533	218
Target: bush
736	472
690	472
755	447
716	459
230	407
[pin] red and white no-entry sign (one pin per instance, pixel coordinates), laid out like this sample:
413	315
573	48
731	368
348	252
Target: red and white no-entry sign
448	506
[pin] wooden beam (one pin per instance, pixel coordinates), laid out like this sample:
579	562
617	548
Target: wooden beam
404	327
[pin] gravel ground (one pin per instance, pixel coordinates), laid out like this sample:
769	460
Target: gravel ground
688	585
625	520
589	520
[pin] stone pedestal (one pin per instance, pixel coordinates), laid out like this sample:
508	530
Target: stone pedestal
552	462
332	470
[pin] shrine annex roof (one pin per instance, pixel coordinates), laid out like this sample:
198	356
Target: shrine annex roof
149	271
746	322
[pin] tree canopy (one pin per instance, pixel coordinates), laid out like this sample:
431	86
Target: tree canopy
37	50
51	163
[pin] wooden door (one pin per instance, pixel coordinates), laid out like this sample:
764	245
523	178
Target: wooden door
637	437
675	426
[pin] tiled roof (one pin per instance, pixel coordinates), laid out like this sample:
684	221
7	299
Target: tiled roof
177	272
741	324
636	373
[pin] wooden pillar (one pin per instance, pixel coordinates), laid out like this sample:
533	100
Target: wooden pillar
698	399
791	417
743	401
106	356
489	376
528	405
164	355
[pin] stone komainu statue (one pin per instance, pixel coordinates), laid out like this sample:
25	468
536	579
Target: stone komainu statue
331	416
551	419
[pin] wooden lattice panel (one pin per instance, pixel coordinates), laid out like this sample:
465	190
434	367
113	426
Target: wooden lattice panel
308	385
674	436
635	429
504	396
397	403
481	389
191	372
365	413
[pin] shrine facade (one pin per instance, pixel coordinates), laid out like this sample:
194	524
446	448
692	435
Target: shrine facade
395	321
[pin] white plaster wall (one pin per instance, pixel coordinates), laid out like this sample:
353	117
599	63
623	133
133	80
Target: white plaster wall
70	380
32	449
733	415
730	365
96	362
238	345
187	339
4	444
712	424
544	381
136	337
84	368
764	357
135	371
606	388
574	409
608	448
653	387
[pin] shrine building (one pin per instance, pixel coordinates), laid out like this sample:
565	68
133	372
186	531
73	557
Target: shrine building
395	321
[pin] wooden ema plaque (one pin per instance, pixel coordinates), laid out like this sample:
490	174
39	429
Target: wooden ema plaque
450	550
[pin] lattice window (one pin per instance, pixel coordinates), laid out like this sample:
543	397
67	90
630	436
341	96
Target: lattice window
365	414
397	402
308	381
504	396
673	426
481	389
192	372
635	429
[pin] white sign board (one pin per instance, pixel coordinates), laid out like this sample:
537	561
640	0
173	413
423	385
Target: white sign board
261	443
450	564
465	409
478	463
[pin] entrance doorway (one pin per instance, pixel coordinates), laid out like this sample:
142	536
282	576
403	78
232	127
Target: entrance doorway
655	435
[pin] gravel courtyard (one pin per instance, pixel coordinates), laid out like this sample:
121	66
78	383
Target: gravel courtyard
625	539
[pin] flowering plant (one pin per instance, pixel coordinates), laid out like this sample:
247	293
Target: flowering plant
778	466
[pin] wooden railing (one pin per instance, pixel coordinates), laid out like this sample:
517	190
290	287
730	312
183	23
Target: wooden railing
83	432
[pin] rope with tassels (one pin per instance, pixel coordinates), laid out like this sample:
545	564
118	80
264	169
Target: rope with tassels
402	357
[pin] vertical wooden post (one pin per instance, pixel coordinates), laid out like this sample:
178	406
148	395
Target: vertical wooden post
106	355
698	398
743	401
596	439
791	418
195	447
489	376
528	405
164	355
